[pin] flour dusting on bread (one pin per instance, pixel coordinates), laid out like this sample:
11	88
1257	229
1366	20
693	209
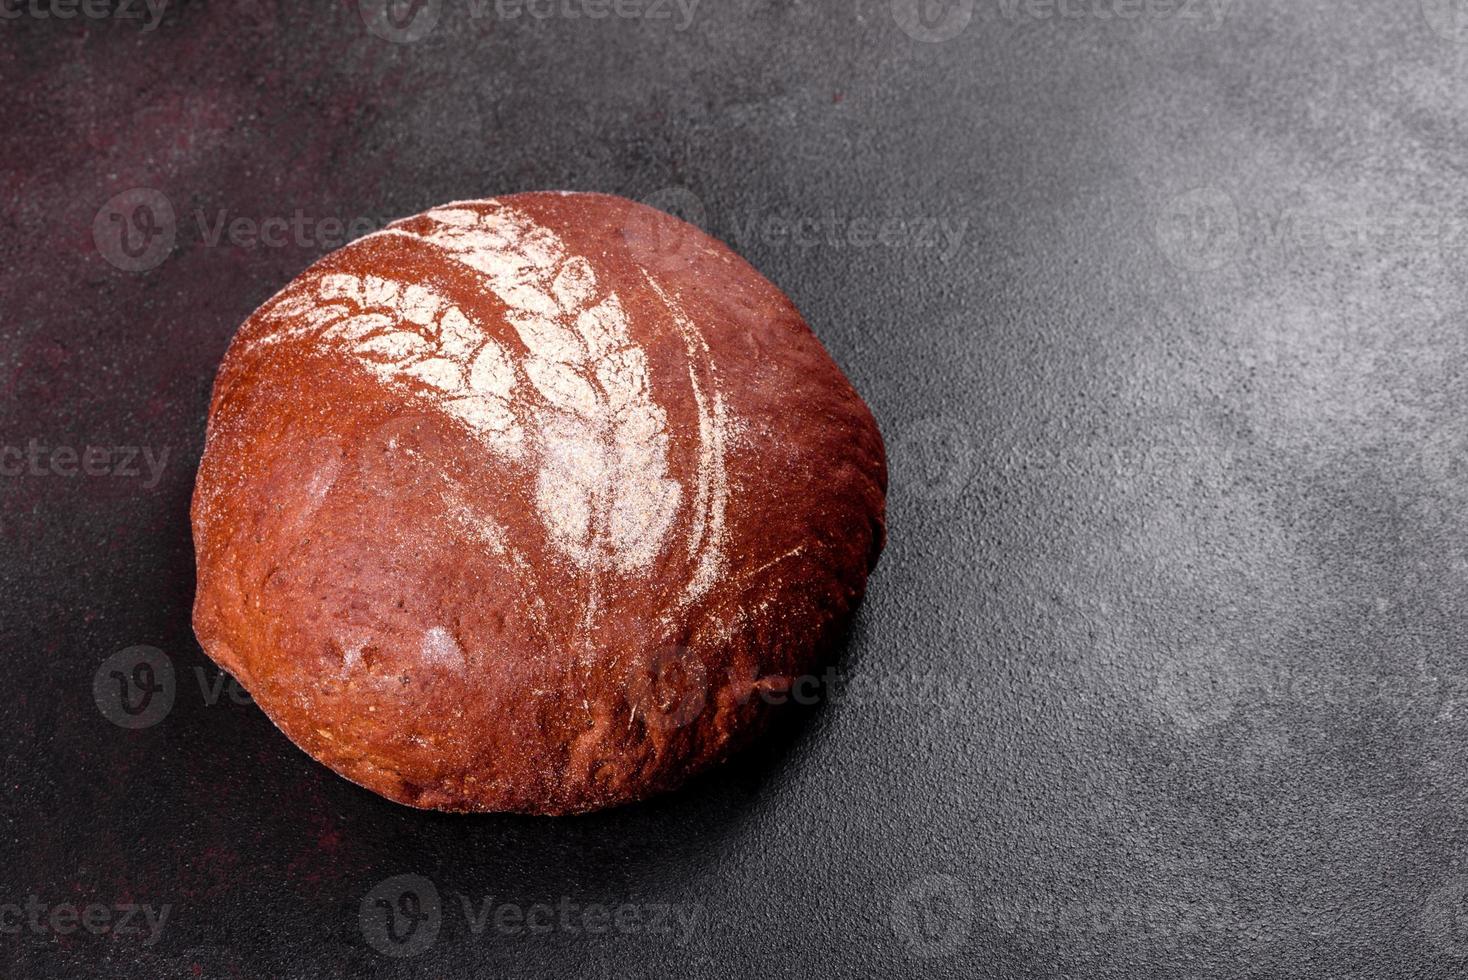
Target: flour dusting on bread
603	488
577	404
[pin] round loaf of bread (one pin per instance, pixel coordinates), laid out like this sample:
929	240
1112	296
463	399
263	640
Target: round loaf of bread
530	504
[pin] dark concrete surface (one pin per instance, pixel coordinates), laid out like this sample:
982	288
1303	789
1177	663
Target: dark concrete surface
1161	310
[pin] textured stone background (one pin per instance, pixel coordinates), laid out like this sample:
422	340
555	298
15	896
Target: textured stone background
1160	308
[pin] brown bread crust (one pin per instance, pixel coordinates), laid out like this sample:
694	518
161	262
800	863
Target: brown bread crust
519	505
